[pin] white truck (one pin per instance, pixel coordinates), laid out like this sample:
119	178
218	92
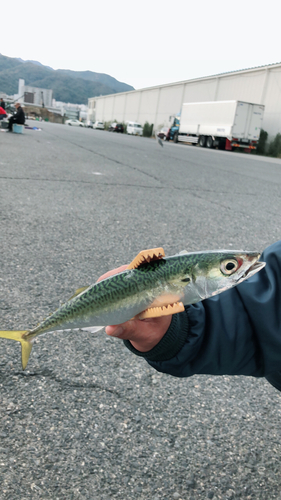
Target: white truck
222	124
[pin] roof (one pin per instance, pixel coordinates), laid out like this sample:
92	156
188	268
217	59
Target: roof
218	75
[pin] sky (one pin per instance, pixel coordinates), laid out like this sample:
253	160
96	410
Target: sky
144	43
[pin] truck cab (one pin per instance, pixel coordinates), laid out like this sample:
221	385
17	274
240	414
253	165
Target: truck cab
175	125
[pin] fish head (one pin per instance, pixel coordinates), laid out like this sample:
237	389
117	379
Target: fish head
211	273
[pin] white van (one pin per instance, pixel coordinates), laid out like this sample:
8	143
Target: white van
99	125
134	128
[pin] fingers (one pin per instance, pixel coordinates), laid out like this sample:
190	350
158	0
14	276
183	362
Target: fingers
143	334
112	272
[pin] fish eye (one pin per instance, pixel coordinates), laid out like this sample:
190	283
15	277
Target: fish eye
185	280
229	266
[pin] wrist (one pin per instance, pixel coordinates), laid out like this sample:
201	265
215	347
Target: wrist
170	343
145	346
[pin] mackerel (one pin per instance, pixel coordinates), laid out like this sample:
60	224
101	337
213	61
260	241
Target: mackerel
152	285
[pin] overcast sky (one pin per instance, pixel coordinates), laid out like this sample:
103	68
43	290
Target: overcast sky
144	42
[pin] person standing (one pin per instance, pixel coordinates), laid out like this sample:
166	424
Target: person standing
2	104
18	117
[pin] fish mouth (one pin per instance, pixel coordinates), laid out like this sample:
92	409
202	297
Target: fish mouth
255	268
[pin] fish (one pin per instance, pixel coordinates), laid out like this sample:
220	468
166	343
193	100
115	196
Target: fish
152	285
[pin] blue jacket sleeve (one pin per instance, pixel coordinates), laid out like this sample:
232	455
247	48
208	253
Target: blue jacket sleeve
237	332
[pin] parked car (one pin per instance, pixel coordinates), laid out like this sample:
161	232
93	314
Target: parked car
164	133
116	127
134	128
75	123
89	124
99	125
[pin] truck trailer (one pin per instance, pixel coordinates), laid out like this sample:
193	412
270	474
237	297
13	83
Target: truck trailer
223	124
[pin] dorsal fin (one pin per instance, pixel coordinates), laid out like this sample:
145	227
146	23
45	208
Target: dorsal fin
146	256
79	290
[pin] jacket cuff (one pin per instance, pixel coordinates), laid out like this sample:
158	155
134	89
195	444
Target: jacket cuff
172	342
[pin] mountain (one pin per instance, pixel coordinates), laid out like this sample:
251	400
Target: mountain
34	62
67	85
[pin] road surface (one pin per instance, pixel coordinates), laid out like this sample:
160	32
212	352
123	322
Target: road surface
87	419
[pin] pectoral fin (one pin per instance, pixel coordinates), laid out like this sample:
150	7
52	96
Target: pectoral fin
26	345
146	256
155	312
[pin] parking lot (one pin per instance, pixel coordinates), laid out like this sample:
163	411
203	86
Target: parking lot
87	419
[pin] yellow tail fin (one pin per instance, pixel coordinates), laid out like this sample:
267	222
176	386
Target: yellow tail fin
26	345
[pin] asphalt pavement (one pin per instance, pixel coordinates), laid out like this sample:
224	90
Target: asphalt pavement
87	419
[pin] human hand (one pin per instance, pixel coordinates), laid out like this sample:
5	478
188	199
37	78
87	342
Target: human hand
143	334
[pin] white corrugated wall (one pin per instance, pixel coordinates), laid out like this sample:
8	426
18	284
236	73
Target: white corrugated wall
258	85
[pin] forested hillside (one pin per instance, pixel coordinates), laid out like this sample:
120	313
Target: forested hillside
68	86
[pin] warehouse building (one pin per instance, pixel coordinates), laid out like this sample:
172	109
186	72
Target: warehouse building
261	85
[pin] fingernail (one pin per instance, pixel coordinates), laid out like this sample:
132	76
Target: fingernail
117	332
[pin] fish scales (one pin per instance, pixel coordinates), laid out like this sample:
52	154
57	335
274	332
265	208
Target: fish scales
149	277
102	295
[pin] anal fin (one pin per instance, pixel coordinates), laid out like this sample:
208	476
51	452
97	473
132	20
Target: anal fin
156	312
146	256
91	329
